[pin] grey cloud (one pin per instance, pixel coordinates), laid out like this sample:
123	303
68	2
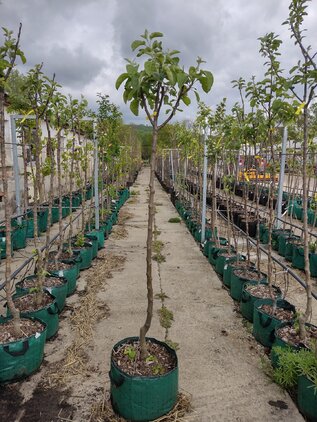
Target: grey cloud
73	68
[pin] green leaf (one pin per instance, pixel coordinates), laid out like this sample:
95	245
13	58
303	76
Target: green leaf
197	96
186	100
149	67
134	107
171	53
170	75
181	78
156	35
206	81
120	79
136	44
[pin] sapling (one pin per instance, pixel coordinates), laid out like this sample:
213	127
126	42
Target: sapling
9	52
160	82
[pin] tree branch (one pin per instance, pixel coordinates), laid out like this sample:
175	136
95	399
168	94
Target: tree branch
146	108
14	54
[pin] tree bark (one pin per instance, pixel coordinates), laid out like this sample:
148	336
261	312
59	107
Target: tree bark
151	212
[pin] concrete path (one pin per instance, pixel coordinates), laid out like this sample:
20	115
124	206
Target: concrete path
219	361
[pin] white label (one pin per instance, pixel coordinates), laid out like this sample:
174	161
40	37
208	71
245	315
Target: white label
37	335
61	273
225	267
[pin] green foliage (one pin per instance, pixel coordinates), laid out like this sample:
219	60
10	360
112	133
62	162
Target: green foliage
130	352
9	51
161	81
80	240
166	317
172	344
294	363
174	220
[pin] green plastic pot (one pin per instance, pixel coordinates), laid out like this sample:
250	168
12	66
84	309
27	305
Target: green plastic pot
282	242
278	235
47	314
18	236
237	282
71	274
19	359
290	245
228	268
307	398
93	239
143	398
279	342
59	292
55	213
99	234
85	254
3	246
313	264
298	260
222	260
248	300
65	206
264	325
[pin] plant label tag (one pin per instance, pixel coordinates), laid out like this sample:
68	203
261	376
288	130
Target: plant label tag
225	267
37	335
60	273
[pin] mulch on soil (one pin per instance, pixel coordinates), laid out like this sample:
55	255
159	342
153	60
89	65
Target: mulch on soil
28	328
128	358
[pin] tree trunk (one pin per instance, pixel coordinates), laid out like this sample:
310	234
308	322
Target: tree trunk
304	318
7	212
151	212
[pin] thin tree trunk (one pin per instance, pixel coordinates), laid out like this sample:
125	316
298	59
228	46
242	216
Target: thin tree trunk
151	212
7	213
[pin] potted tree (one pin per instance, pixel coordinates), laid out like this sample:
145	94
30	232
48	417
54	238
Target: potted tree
22	339
159	82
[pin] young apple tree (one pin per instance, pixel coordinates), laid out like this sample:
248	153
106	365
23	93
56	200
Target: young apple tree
158	83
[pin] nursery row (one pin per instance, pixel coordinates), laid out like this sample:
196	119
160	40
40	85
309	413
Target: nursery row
40	310
273	317
262	304
22	227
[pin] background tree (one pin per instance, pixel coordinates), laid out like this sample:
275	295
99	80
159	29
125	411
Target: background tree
9	52
160	81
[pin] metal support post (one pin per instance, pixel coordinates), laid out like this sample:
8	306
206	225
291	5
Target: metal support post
96	172
281	180
203	214
16	170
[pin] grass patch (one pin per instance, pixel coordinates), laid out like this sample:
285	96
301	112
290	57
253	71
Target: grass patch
157	246
134	192
159	258
162	296
174	220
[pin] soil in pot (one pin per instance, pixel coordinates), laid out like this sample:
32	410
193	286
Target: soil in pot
55	284
159	360
253	291
143	390
240	262
46	311
222	258
29	327
268	316
240	276
289	334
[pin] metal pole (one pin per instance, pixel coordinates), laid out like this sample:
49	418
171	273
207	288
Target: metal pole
16	169
203	214
172	165
96	176
281	181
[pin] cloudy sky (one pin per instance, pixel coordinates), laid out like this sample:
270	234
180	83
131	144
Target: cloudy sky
84	42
